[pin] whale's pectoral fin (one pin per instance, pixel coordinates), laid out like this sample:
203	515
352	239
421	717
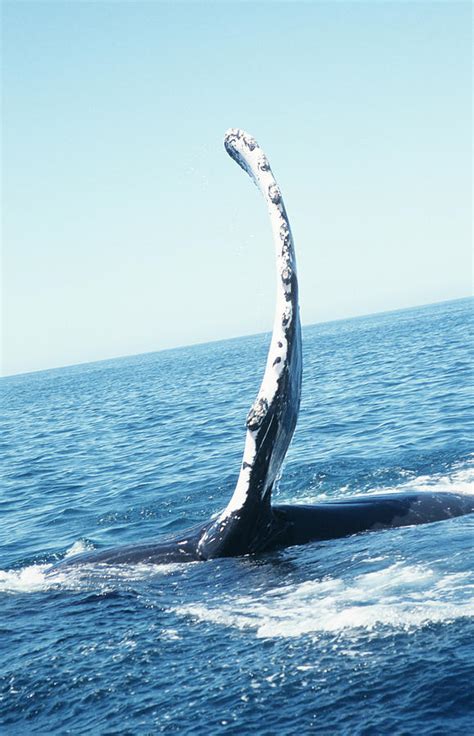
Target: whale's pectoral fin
246	523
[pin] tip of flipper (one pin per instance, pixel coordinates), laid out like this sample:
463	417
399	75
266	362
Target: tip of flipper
237	136
244	149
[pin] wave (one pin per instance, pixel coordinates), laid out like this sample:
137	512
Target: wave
459	479
31	579
401	596
105	578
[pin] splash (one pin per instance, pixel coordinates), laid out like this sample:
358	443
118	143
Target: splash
31	579
34	578
459	479
40	578
401	596
78	548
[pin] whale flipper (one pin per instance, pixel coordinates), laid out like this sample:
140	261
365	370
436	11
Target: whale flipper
249	523
246	524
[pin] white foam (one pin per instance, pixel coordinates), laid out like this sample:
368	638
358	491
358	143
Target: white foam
400	596
34	578
459	480
39	578
78	548
29	579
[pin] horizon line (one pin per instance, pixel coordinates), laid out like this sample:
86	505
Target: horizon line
234	337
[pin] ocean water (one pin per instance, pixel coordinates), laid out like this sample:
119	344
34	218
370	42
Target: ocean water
369	635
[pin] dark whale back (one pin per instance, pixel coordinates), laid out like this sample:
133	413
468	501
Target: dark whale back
250	523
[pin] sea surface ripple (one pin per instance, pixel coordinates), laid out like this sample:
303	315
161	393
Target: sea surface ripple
368	635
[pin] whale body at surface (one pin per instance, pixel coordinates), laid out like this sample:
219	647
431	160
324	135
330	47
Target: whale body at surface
250	523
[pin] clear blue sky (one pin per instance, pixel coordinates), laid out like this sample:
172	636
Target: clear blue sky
128	229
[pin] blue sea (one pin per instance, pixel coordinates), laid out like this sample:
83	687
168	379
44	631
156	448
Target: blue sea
368	635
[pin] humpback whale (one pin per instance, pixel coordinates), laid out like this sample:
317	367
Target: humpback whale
250	523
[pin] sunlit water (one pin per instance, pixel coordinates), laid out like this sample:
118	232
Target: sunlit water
372	634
